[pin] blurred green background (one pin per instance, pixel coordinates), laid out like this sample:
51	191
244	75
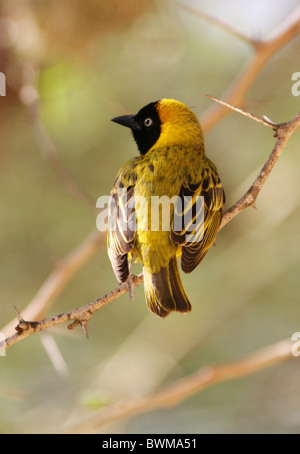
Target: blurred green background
96	60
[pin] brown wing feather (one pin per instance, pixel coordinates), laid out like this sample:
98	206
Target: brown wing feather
121	228
206	219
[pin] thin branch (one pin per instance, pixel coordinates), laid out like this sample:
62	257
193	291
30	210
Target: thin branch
13	394
82	315
177	392
283	133
264	50
79	316
54	354
264	121
61	275
221	24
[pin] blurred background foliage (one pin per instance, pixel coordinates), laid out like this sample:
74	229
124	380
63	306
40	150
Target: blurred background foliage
96	60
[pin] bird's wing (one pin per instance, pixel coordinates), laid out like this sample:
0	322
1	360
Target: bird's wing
197	219
121	231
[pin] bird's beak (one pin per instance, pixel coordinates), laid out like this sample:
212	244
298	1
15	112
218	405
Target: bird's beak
129	121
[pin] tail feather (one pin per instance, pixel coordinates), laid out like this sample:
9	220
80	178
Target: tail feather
164	291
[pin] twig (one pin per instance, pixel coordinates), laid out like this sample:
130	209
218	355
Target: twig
54	354
79	316
264	50
283	133
219	23
82	315
177	392
61	275
264	121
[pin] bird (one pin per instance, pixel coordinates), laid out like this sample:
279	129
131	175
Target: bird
171	165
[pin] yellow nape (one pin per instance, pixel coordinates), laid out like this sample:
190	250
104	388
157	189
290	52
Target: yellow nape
179	125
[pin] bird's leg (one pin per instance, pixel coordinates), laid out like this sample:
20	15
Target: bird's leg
129	281
132	262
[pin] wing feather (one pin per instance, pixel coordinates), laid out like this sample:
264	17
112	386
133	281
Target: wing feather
121	231
203	214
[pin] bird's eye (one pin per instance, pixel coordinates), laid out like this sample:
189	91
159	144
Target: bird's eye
148	122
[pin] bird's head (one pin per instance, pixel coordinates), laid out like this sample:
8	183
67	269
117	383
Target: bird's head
163	123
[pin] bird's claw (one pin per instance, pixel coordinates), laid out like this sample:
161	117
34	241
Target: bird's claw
130	285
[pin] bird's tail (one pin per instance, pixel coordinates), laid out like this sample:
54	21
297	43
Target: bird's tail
164	291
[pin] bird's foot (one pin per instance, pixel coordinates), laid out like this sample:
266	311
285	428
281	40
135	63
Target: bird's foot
130	285
132	262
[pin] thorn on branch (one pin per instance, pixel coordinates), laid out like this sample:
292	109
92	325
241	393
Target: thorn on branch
82	323
269	121
23	325
279	128
84	326
265	120
19	316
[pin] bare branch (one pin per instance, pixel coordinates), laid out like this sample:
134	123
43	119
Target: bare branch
54	354
265	121
79	316
177	392
61	275
263	52
220	24
283	133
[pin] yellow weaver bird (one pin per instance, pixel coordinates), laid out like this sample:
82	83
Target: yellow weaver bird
172	162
